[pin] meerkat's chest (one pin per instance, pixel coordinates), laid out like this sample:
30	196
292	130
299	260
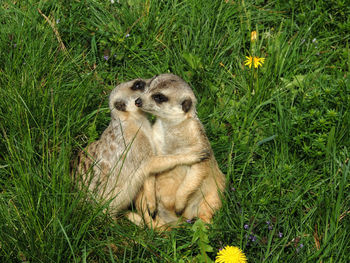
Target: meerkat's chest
169	140
158	140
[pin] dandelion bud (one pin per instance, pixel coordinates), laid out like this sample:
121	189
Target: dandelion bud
253	36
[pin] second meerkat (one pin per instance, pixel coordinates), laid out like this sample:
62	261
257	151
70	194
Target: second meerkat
190	190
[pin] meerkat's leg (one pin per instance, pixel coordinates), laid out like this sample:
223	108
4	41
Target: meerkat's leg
149	191
142	216
208	206
189	185
140	221
135	218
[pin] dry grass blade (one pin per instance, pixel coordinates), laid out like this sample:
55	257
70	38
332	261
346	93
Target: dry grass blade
316	238
52	24
344	214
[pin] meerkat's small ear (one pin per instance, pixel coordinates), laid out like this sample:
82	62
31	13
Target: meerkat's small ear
186	105
120	105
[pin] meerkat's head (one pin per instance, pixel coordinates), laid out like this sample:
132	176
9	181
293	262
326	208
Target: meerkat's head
167	96
122	98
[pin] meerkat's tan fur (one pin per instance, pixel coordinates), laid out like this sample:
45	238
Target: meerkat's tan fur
117	165
187	190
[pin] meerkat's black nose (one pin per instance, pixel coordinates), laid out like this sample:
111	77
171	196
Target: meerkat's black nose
138	102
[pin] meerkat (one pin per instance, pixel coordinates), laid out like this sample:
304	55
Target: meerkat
187	190
117	165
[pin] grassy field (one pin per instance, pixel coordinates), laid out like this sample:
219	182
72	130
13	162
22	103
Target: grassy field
280	132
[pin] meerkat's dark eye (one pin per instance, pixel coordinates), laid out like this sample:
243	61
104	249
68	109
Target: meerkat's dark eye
138	85
159	98
186	105
120	105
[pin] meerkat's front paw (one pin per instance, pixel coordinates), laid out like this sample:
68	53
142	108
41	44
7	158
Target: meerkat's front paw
198	157
204	155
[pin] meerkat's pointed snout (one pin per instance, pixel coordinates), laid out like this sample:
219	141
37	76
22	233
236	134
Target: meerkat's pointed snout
138	102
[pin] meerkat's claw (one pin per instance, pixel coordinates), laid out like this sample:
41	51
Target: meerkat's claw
179	212
179	206
205	155
153	214
152	209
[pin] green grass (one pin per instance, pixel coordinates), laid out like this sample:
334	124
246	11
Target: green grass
280	134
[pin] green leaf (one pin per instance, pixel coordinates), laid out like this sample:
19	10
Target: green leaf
193	61
296	82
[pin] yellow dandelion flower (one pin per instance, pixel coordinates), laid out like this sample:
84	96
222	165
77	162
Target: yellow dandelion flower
248	62
230	254
253	36
258	62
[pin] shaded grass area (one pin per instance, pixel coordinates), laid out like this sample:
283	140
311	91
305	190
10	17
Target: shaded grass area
280	133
